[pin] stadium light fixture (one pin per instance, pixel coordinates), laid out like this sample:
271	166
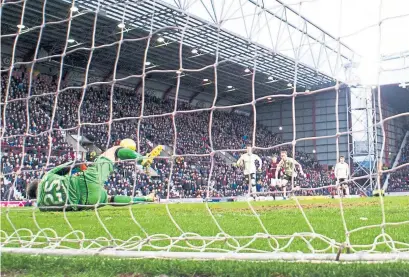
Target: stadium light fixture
178	72
205	80
21	26
313	151
71	40
194	51
269	98
270	78
148	63
289	85
307	90
247	70
160	39
74	9
229	87
121	25
280	128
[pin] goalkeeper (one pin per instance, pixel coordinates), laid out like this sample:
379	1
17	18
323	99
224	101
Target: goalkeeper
60	188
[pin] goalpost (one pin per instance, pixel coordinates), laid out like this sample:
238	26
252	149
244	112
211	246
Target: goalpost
272	42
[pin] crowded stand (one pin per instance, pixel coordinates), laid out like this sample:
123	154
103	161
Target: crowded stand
33	139
37	125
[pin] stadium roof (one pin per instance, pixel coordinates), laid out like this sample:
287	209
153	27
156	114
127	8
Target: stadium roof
238	56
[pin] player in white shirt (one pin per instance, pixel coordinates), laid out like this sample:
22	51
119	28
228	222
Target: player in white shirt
248	161
341	173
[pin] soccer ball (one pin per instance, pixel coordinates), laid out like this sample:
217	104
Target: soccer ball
128	143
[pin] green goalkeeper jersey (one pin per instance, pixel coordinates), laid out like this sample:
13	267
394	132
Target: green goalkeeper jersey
58	188
55	190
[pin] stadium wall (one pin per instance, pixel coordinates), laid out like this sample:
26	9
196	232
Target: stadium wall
315	117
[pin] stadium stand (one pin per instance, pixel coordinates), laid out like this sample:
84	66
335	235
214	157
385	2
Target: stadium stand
189	175
35	142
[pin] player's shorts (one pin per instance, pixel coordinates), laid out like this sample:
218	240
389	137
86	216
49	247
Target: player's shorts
340	180
251	177
275	182
287	177
91	181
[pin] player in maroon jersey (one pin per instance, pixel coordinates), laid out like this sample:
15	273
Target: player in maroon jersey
272	172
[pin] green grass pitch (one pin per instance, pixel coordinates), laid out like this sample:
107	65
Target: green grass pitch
236	219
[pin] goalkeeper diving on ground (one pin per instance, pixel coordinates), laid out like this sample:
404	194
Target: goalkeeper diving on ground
60	189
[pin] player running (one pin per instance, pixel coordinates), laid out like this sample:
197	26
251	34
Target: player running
341	172
59	188
288	164
248	161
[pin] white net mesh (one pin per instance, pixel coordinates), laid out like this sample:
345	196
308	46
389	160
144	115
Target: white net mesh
193	76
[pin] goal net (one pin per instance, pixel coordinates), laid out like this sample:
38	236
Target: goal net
209	80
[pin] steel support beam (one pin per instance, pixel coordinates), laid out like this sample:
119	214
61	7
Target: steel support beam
167	92
138	85
314	125
386	127
295	13
109	75
194	95
65	74
364	136
30	55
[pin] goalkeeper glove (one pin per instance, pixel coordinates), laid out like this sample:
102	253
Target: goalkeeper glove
127	154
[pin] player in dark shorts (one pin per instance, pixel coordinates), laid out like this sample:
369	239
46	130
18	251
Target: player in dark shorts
343	186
